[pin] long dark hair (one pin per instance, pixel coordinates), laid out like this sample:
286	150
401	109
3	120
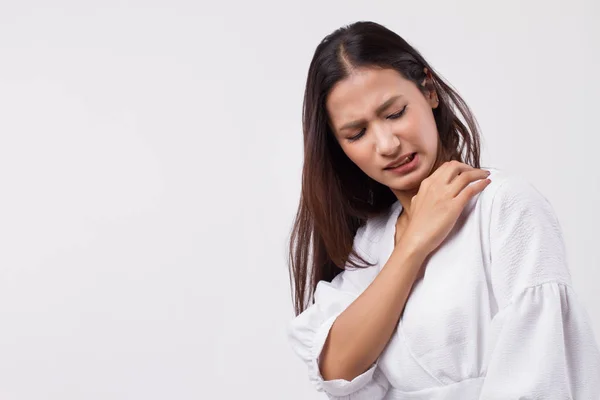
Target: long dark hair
337	197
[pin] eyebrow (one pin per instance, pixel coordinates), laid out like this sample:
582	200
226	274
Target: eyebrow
380	109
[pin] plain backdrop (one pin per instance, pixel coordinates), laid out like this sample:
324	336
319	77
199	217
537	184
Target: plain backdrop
150	159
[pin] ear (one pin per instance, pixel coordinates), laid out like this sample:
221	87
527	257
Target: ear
431	94
433	99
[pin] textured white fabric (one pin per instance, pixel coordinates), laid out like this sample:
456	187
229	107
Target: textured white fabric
493	317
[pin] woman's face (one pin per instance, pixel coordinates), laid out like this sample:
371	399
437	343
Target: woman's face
379	116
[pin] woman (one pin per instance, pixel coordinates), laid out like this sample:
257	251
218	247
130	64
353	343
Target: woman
416	273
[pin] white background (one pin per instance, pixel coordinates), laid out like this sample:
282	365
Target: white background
150	157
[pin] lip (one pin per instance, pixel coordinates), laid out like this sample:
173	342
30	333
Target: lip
406	168
402	157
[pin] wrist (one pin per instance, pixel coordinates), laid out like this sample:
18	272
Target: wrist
411	250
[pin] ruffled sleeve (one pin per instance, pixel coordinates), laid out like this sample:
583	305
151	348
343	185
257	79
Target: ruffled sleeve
308	331
541	344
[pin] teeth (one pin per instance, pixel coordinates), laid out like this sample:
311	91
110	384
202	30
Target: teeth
407	159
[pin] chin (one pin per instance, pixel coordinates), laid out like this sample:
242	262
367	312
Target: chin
407	183
406	188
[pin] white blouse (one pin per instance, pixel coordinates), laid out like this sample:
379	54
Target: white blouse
494	316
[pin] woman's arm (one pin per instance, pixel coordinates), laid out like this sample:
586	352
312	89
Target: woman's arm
361	332
541	344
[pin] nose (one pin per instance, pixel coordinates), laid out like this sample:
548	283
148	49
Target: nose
386	142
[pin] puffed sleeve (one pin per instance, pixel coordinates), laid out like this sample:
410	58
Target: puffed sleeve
308	331
541	344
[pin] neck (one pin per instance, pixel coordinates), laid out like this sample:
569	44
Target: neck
405	199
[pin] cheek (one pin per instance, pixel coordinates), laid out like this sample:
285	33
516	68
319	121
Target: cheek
426	129
360	154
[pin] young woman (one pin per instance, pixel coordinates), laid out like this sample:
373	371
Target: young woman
417	274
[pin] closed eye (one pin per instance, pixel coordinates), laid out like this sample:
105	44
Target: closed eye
398	114
392	116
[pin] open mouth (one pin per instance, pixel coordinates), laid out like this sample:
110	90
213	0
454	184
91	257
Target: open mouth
405	161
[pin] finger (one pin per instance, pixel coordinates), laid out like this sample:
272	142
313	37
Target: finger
465	179
451	169
470	191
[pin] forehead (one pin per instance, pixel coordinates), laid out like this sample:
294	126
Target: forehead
363	91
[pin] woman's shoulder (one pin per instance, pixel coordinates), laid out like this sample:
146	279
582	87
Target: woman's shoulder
510	190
